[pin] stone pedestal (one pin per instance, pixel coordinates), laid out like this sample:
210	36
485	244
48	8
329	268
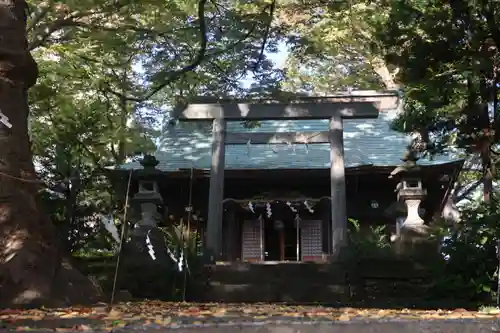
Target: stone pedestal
146	275
149	215
413	216
412	241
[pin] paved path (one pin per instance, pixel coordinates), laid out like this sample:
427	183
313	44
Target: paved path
361	326
393	326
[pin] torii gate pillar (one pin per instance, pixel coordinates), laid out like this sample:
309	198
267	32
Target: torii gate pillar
337	185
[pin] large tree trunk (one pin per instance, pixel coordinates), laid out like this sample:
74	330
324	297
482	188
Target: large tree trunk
33	270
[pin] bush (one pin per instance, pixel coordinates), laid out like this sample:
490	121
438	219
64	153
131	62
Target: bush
469	251
371	242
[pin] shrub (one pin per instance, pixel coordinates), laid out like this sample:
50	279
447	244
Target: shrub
369	242
470	270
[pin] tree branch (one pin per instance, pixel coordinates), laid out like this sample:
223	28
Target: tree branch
172	76
458	198
201	56
272	7
67	20
58	24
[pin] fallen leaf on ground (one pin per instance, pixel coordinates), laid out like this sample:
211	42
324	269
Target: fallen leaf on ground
113	314
260	317
163	321
344	317
171	314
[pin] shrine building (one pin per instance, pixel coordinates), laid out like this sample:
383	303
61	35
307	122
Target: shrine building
279	181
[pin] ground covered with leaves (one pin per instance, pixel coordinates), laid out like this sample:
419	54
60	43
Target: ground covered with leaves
167	315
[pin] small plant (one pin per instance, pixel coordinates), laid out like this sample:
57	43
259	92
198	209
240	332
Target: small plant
372	241
184	246
182	243
488	309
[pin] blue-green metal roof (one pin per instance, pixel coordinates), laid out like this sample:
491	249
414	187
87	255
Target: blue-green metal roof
366	142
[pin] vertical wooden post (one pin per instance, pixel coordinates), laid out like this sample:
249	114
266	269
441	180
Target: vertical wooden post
231	236
297	237
261	237
216	192
326	224
337	183
282	245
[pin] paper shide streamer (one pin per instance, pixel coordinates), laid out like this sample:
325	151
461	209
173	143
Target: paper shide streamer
109	225
5	120
308	207
250	207
293	209
269	211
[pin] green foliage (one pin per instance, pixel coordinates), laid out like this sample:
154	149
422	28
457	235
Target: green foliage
334	46
109	73
178	238
99	59
153	279
450	97
470	269
369	242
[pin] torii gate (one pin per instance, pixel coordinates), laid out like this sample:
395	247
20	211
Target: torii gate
335	108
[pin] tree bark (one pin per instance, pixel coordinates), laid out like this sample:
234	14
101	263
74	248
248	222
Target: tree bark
382	70
488	174
33	269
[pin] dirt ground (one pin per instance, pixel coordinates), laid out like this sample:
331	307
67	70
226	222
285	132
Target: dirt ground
153	316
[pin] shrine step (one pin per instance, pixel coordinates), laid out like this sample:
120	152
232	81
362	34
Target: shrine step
309	282
280	282
242	273
248	293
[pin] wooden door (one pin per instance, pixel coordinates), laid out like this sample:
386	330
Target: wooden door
311	240
251	241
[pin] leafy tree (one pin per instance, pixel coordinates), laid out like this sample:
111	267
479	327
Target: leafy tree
179	59
451	96
334	47
72	148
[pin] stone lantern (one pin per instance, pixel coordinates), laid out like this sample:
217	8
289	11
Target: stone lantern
147	239
148	197
410	189
411	192
146	256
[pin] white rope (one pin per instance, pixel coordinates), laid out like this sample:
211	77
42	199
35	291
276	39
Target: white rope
265	201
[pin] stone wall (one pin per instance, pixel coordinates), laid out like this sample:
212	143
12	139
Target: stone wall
335	284
384	283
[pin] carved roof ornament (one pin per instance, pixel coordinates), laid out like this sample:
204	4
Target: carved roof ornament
410	159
